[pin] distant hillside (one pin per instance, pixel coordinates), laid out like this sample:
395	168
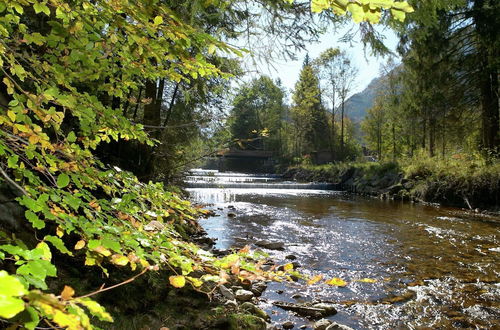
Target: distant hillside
357	105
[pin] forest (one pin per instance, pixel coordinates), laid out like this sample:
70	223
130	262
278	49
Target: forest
104	106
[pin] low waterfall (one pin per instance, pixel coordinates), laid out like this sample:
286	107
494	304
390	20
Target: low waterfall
213	179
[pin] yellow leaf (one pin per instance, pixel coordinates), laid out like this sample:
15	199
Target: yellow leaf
59	232
33	139
315	279
102	250
177	281
47	255
67	293
67	320
80	244
11	115
288	267
158	20
367	280
336	281
195	281
119	260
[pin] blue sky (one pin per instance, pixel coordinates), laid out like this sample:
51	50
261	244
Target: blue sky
368	66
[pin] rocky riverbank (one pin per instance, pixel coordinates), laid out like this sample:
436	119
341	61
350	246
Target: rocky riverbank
478	189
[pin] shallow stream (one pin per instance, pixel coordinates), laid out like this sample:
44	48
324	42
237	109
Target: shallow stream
432	267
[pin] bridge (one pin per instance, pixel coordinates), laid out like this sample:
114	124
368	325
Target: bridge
248	161
249	154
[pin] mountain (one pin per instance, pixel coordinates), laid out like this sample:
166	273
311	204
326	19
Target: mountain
357	105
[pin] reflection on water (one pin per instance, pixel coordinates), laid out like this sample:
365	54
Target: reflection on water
435	267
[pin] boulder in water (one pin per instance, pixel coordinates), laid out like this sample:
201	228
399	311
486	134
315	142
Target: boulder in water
321	324
270	245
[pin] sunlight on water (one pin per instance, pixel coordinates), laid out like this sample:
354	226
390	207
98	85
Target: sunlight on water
433	267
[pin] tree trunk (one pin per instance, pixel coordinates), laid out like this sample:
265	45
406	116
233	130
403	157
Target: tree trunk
485	16
151	110
342	126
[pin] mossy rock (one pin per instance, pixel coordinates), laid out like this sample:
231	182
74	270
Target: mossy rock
246	322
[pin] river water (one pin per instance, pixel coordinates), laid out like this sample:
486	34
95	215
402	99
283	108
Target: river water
433	267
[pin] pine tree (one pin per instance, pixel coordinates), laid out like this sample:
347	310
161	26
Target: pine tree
308	114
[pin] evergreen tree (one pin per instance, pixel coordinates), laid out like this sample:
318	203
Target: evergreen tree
308	114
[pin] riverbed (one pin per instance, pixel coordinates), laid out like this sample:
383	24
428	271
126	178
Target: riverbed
406	265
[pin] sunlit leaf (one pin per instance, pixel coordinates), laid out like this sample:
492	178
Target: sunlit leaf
336	282
177	281
67	293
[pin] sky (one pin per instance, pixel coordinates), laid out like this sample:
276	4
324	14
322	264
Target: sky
368	66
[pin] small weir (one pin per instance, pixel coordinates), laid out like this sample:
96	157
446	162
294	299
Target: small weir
215	179
407	266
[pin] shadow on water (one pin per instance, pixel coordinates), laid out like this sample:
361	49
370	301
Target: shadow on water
433	267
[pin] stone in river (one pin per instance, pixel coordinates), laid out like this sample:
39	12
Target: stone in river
258	288
338	326
244	295
321	324
329	309
270	245
288	325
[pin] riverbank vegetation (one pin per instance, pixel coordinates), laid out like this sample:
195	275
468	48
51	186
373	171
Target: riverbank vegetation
465	183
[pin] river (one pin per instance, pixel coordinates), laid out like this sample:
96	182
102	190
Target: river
432	267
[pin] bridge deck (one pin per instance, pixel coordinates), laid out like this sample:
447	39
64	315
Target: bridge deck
260	154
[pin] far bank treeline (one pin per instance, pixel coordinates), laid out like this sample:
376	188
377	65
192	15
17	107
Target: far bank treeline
442	100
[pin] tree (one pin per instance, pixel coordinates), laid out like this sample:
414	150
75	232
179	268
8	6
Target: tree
328	64
458	38
345	81
373	127
307	112
258	107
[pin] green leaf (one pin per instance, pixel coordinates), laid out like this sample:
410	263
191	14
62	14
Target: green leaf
34	219
33	205
12	161
62	180
39	269
111	244
10	285
10	306
34	318
41	7
58	244
71	137
72	201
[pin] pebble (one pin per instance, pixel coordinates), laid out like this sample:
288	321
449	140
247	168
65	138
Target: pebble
244	295
231	303
321	324
228	294
338	326
258	288
270	245
328	308
291	257
288	325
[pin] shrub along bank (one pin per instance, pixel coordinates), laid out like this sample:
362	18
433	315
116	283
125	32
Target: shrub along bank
458	183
